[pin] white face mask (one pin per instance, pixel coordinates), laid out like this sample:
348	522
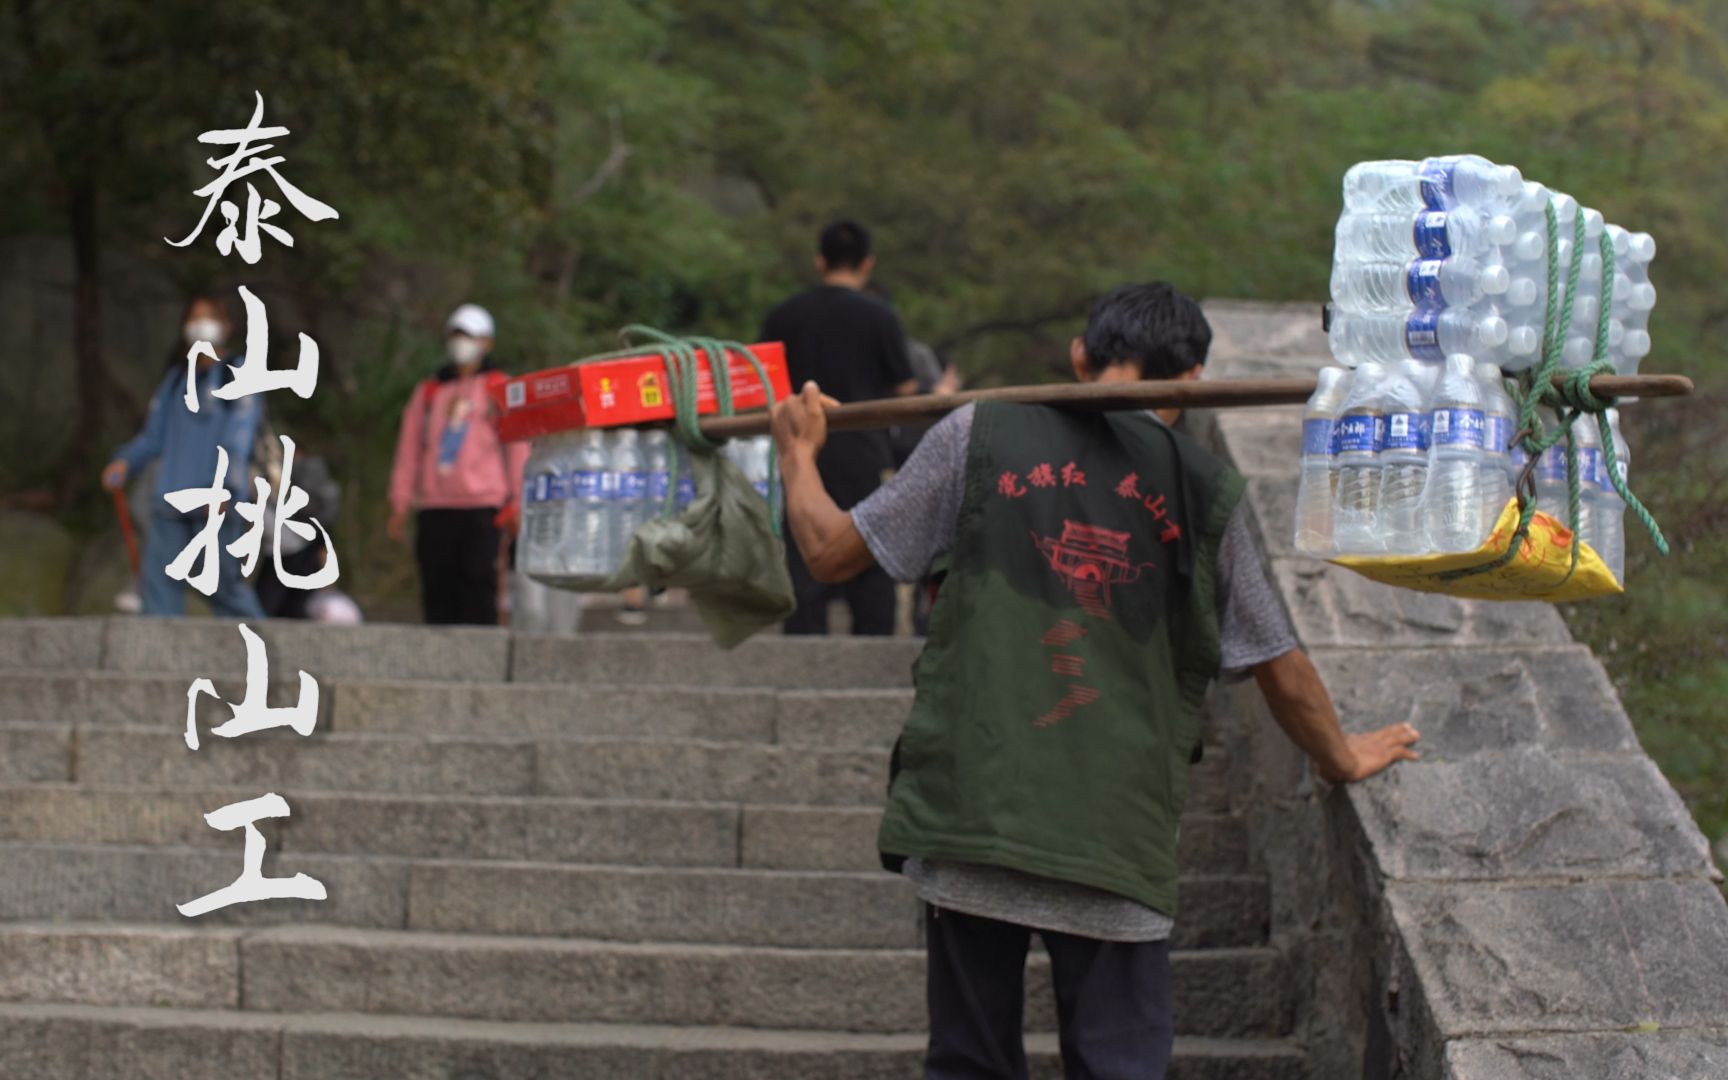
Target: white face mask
211	330
466	351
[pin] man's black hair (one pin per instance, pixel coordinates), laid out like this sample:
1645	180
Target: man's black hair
1152	326
844	245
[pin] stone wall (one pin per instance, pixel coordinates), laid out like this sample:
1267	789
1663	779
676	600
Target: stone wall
1532	899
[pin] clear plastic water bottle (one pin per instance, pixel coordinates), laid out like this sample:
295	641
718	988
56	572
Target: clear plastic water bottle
1361	432
1404	459
1498	412
629	507
1634	297
545	491
762	460
1457	432
1437	183
1589	439
1425	335
1319	463
1388	287
657	460
1429	234
587	541
1608	518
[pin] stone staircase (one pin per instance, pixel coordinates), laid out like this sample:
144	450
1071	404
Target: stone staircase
622	855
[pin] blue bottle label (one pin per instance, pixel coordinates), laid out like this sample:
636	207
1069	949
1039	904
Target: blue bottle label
1422	282
659	483
632	486
686	489
1361	433
1422	336
1406	431
1457	427
1438	190
1317	437
1498	434
539	488
1590	468
588	484
1429	234
1552	468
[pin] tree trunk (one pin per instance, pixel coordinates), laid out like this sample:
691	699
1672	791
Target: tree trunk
92	377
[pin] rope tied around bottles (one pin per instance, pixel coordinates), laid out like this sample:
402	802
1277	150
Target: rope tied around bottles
1572	398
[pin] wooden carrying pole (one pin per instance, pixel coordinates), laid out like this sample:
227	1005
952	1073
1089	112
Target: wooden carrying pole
1148	394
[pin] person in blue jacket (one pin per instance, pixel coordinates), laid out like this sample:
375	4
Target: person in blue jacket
186	443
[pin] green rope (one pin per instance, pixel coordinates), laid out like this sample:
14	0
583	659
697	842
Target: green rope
683	375
1570	400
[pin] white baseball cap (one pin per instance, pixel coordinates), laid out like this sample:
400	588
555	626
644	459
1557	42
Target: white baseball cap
471	319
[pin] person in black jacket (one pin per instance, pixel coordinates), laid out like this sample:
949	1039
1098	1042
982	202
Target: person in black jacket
853	345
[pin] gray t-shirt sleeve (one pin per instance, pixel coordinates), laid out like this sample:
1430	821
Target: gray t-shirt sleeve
1252	624
909	521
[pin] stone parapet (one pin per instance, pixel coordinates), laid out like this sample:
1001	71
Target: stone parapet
1532	899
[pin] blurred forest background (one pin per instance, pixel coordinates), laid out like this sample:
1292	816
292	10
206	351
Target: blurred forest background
576	166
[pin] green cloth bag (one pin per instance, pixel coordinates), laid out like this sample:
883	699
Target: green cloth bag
722	549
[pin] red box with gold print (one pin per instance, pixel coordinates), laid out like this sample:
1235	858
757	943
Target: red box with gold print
629	390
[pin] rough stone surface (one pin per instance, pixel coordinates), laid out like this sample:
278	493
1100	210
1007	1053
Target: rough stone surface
376	651
59	1042
1332	606
336	1049
1469	701
1533	873
1526	813
34	753
284	761
837	718
541	829
119	698
134	965
844	838
138	884
1223	992
75	814
802	663
1593	956
35	644
552	710
735	907
1615	1056
708	771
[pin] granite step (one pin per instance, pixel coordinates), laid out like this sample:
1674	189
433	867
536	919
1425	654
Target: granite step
755	714
795	909
598	767
1220	993
536	828
456	654
51	1042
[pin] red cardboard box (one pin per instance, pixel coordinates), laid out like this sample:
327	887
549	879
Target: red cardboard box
631	390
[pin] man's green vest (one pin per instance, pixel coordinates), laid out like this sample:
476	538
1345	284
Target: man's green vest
1058	696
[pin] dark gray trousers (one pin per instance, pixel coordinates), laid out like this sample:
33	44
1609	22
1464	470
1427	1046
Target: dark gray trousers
1114	1005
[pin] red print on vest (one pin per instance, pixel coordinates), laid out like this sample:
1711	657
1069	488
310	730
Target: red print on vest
1090	560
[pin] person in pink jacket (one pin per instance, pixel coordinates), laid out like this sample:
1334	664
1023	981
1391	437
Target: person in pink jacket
452	468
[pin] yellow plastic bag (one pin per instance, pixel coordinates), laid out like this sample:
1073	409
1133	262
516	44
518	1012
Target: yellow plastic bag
1537	573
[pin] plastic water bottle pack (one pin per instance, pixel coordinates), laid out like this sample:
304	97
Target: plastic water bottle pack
1450	255
1395	464
585	493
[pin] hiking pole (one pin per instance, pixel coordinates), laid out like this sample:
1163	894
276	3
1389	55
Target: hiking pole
126	530
1147	394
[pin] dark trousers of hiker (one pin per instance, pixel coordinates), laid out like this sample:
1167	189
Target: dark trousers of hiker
458	555
1114	1004
870	597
